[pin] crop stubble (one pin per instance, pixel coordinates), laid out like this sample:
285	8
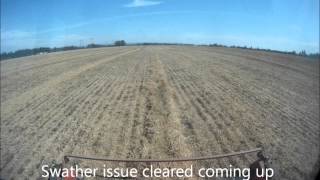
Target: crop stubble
159	102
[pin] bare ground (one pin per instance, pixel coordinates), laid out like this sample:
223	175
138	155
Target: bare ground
159	102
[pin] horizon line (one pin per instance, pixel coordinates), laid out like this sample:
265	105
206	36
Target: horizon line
293	52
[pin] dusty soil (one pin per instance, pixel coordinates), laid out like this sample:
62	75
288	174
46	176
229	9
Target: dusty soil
160	102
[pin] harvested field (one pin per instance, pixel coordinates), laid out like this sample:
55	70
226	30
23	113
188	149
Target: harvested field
160	102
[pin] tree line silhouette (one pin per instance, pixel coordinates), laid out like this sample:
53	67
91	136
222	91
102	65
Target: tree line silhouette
43	50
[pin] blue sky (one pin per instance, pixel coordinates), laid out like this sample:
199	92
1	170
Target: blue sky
275	24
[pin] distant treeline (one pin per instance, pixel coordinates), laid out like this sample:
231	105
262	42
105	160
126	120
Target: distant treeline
41	50
154	43
301	53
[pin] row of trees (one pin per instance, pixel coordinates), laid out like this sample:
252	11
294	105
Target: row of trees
34	51
40	50
120	43
301	53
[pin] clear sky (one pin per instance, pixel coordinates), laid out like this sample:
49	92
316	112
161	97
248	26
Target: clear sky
275	24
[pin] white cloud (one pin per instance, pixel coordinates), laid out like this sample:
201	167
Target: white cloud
141	3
